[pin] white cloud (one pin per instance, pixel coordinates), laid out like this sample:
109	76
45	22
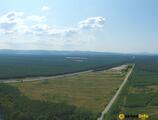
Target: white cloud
12	18
45	8
44	29
12	22
42	35
4	45
92	23
41	29
36	18
70	32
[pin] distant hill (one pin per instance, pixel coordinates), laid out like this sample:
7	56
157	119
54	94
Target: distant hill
54	52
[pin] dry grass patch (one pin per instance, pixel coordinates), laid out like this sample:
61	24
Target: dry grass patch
91	90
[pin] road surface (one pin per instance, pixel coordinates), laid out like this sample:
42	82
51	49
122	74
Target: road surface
107	108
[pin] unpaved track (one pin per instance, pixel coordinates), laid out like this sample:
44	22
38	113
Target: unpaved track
40	78
107	108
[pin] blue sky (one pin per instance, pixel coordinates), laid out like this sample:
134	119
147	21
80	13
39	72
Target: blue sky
95	25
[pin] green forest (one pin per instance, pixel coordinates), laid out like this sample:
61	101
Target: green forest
20	66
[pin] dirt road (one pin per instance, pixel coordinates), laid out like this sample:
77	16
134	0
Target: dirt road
40	78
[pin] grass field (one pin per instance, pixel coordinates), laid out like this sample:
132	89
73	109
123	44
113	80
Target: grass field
91	90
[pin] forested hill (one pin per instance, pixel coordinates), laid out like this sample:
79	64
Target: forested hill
17	64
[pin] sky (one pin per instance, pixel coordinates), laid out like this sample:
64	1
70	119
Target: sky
126	26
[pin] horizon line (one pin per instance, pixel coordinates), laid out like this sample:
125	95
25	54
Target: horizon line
112	52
